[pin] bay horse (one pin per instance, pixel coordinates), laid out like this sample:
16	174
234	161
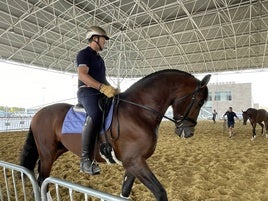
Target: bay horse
256	116
138	115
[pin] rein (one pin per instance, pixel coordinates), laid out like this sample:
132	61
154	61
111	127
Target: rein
147	108
176	120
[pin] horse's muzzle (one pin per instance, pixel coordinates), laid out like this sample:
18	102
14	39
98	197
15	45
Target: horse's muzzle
184	132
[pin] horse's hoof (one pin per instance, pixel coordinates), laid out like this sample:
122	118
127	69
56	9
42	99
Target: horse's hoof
127	198
253	138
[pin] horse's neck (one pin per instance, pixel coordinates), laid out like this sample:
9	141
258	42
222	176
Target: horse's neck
251	112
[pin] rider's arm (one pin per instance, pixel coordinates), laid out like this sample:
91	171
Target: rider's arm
86	78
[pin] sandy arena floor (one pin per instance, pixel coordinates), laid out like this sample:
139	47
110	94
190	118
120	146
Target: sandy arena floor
209	166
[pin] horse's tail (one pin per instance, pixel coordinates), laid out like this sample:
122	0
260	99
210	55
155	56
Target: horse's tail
29	154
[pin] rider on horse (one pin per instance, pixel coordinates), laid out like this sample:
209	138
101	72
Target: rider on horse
92	86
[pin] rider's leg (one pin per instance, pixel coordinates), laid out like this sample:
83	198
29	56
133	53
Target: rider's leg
91	128
88	142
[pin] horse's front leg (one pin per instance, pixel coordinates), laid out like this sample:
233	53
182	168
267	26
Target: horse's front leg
127	185
140	170
253	131
262	125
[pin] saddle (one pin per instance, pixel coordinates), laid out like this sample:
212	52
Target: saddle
75	118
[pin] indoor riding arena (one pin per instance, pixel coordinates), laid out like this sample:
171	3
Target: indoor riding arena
179	63
208	166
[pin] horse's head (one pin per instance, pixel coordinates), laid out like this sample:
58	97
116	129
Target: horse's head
245	117
186	109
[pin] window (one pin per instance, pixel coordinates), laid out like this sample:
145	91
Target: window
209	96
223	96
217	96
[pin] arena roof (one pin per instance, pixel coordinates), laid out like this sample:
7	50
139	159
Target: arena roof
146	35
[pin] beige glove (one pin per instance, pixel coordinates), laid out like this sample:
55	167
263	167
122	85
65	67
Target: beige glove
108	90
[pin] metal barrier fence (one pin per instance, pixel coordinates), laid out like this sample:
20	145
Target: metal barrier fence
14	123
18	183
72	188
14	183
23	122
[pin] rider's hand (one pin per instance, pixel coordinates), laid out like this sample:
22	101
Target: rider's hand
108	90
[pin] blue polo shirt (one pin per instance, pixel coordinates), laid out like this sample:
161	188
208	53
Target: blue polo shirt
96	65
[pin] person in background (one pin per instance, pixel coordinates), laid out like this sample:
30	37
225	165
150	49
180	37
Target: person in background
230	120
214	114
92	86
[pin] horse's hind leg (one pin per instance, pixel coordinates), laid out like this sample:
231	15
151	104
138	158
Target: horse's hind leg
44	168
140	170
45	163
127	185
266	128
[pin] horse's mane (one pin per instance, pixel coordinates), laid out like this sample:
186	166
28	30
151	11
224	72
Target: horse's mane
255	111
251	109
156	74
166	71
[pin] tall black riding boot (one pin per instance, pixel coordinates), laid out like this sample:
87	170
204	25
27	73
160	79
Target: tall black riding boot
88	142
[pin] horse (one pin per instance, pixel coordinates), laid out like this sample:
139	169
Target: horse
256	116
133	131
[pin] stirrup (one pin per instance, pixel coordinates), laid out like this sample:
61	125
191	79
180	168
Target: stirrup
90	167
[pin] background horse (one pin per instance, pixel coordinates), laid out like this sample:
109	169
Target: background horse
256	116
133	132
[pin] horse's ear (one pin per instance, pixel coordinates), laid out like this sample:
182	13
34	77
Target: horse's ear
205	80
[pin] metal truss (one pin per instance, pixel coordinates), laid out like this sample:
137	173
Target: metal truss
146	35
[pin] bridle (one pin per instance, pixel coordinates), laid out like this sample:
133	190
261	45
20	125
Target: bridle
177	120
180	118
